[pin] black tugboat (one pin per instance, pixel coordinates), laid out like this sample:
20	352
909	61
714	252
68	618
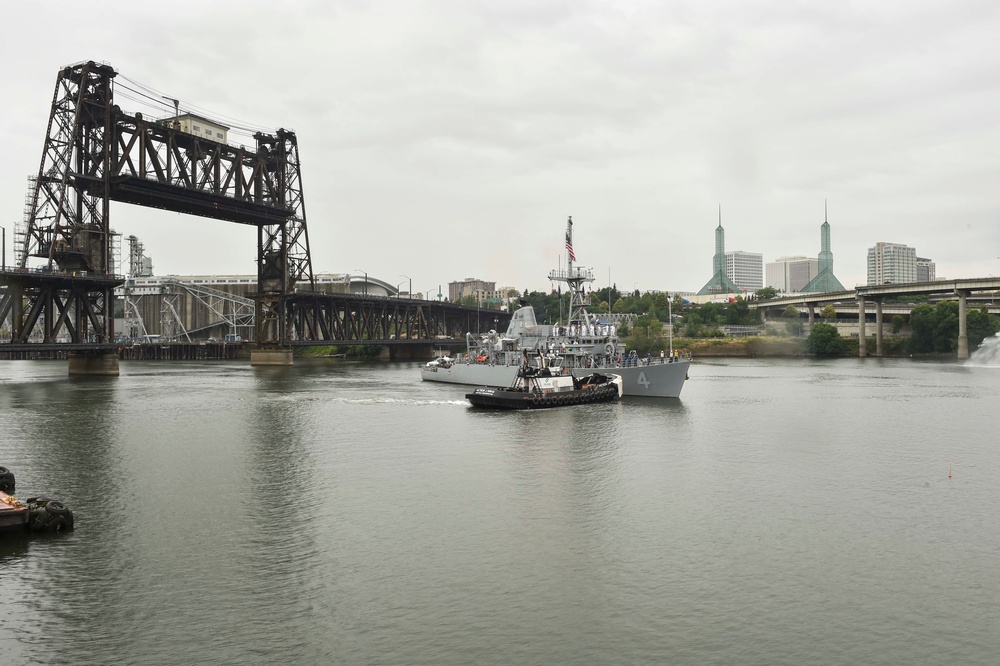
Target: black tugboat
541	387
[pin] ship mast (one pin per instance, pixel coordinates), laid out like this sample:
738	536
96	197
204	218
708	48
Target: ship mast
575	278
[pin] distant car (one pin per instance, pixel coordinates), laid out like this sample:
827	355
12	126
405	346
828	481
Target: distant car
233	338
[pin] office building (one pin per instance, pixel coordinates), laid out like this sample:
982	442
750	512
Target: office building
926	270
791	274
745	270
891	263
481	289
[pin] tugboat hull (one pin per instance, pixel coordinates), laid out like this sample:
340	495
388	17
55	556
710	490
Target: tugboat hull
496	398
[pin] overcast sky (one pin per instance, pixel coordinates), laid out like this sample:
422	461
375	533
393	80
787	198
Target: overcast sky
445	139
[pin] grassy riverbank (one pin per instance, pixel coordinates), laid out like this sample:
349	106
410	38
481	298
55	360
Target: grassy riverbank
776	347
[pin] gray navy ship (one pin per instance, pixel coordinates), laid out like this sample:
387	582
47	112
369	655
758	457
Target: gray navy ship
584	344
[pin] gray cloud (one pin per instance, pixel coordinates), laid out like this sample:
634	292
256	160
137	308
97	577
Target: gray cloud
451	139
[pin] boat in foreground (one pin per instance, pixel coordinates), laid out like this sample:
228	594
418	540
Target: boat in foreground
588	343
13	514
541	387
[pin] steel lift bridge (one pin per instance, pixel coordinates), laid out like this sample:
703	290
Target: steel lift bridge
95	153
59	296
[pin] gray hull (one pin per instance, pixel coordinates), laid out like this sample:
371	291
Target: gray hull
656	381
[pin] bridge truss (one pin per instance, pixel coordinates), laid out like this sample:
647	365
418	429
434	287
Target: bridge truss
94	153
352	318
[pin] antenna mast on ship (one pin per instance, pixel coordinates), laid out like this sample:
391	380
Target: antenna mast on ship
574	278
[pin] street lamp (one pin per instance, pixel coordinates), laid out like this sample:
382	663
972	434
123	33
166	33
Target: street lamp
397	289
410	293
366	279
4	229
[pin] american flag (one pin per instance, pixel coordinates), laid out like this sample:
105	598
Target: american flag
569	245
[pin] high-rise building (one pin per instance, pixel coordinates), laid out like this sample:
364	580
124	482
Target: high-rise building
720	283
891	263
481	289
926	270
745	269
791	274
825	280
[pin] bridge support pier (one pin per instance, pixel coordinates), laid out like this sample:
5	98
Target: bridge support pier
878	327
94	364
963	335
862	352
271	356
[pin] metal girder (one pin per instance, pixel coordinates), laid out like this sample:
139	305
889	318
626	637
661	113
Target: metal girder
355	319
283	257
65	226
157	165
50	310
95	153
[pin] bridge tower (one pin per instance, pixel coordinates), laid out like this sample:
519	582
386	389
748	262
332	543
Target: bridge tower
95	153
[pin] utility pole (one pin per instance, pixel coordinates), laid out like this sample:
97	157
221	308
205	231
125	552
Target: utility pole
177	110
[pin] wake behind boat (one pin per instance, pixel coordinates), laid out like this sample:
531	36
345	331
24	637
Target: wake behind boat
586	344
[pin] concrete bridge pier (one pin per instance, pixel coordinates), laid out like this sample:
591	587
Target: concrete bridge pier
862	352
963	335
878	327
94	364
270	356
406	352
810	308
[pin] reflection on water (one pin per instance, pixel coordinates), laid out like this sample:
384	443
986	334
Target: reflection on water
780	512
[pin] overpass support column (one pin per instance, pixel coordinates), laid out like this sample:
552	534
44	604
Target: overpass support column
963	335
862	352
878	326
810	310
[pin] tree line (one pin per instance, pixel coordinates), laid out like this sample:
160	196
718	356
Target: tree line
934	328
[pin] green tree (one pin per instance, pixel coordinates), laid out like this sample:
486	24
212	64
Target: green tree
897	324
738	312
828	312
793	324
646	334
980	324
935	328
824	340
922	329
546	306
766	293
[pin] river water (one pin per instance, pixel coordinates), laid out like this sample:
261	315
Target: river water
780	512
